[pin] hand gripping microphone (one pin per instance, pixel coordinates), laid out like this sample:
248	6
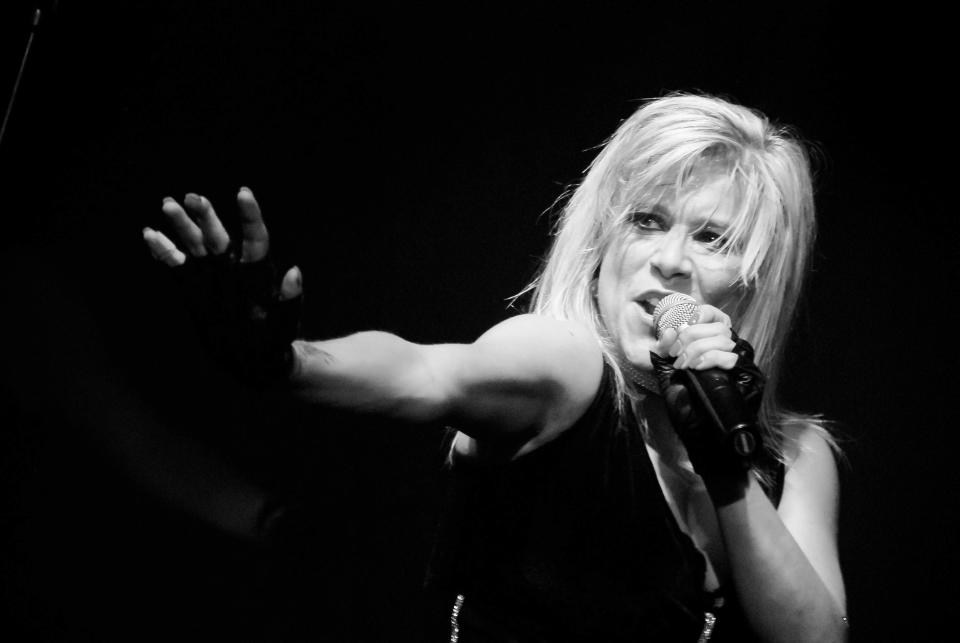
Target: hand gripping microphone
715	389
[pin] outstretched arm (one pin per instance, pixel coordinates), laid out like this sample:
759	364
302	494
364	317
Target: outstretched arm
527	376
525	380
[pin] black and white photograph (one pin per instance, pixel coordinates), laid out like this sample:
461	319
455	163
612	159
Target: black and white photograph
518	324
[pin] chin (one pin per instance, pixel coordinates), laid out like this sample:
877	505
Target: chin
638	354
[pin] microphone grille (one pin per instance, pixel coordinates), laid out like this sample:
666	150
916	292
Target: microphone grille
675	311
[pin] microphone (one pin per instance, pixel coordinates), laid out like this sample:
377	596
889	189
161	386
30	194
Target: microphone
714	388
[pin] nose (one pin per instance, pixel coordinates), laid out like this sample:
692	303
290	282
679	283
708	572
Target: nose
670	260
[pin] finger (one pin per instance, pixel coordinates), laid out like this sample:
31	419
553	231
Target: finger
709	314
665	344
190	235
716	359
215	237
693	351
693	333
256	240
162	248
292	284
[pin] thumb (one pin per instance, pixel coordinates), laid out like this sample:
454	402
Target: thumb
665	343
292	284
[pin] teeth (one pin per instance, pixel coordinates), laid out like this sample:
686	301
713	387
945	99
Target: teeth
649	304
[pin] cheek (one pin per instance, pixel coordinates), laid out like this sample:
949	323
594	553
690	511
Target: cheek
610	279
627	258
719	284
605	287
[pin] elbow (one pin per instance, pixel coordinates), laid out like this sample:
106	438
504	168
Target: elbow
834	623
422	393
823	628
836	629
815	621
411	385
833	632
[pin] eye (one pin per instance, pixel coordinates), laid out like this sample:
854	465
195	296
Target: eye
710	237
648	221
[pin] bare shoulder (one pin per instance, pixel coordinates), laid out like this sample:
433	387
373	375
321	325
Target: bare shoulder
543	329
543	374
563	353
809	453
811	489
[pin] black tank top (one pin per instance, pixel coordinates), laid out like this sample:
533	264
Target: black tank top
571	542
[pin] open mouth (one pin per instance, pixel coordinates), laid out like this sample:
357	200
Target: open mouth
649	304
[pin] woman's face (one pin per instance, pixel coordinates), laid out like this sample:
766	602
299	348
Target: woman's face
668	245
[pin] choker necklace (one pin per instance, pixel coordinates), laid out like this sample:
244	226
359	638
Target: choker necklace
645	380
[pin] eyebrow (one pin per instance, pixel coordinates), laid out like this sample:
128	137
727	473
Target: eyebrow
697	223
653	208
710	222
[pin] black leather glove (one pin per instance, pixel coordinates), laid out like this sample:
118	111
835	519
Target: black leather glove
241	316
704	427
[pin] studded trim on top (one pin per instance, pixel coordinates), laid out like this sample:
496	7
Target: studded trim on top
455	619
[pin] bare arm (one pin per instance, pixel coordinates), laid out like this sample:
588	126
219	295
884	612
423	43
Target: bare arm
784	562
526	377
525	380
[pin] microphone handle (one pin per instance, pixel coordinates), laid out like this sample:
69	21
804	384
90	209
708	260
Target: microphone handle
721	401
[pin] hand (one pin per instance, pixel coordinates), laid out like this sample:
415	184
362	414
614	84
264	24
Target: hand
712	343
706	344
704	404
245	317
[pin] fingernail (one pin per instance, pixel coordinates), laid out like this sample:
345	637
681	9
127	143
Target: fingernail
167	199
676	349
244	188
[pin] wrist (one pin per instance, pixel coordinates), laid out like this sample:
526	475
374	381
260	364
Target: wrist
297	369
726	483
725	491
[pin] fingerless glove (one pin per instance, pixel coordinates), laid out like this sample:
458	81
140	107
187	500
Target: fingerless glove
703	427
240	315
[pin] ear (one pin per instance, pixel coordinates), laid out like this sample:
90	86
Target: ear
595	280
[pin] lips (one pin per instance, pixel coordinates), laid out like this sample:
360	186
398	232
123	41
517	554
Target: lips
649	300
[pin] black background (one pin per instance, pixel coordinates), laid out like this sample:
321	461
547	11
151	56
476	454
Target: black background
408	160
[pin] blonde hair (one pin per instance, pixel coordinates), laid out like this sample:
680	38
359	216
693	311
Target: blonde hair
667	140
